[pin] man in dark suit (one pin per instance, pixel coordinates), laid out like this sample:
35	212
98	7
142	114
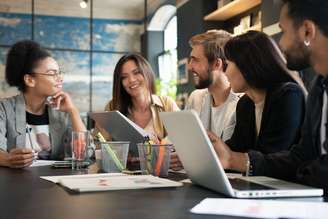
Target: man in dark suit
305	43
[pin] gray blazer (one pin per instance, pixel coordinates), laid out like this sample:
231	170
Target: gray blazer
13	127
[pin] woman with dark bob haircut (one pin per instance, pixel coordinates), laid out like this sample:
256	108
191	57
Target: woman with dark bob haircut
41	118
270	114
134	95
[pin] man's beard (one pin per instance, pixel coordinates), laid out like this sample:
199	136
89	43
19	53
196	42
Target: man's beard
205	83
298	57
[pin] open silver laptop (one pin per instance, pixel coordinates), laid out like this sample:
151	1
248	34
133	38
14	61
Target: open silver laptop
203	167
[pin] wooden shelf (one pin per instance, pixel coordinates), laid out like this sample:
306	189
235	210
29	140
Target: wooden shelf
257	27
232	9
272	29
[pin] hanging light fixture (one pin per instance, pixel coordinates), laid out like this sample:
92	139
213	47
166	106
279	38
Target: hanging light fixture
84	3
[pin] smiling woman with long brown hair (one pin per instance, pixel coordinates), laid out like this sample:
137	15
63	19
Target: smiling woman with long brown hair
134	95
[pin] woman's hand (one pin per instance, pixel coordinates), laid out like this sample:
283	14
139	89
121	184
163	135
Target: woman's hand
222	150
17	158
62	102
228	158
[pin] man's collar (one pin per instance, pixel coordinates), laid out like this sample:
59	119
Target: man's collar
323	81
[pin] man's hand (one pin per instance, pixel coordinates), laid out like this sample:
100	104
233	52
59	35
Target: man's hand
17	158
175	163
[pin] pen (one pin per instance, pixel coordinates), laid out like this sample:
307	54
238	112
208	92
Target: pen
149	155
101	137
111	152
114	157
160	159
31	142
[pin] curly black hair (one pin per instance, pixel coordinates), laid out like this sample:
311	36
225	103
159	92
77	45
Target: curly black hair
22	58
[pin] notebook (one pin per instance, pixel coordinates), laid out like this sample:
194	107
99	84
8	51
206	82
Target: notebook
111	181
202	165
120	128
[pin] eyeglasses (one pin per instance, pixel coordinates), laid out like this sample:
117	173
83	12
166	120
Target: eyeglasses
53	73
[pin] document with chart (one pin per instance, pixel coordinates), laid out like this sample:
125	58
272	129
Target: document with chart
107	182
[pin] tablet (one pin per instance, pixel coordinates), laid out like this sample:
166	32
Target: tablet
121	128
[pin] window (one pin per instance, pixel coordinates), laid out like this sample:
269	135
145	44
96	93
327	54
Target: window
86	53
167	62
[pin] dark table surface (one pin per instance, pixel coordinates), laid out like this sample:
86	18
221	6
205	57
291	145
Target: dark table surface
24	195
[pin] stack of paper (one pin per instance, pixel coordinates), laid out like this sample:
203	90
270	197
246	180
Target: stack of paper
55	179
109	181
262	208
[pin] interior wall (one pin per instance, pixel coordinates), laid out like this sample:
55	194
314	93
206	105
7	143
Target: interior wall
154	44
190	22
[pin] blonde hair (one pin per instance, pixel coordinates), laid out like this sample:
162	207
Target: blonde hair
213	42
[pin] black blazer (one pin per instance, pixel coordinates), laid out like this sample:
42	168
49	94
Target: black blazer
281	122
304	162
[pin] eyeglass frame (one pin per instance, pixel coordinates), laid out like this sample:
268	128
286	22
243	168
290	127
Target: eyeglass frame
56	76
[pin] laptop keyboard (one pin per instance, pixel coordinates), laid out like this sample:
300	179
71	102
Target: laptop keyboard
241	184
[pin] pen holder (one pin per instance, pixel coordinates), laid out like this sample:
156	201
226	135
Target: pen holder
154	158
114	155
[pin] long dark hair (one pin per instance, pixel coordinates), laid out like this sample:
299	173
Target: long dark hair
121	99
258	60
